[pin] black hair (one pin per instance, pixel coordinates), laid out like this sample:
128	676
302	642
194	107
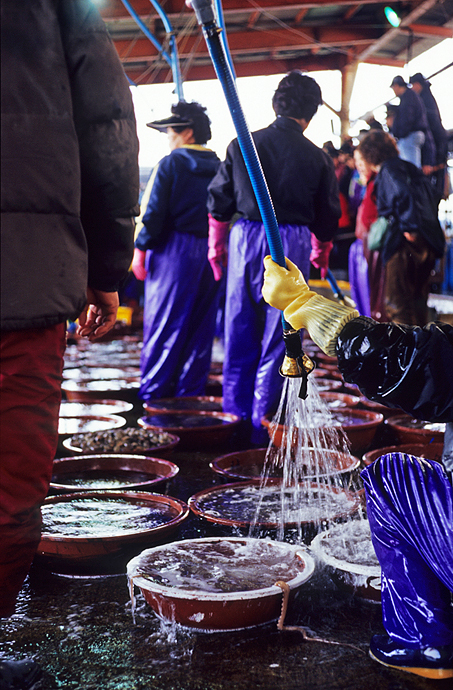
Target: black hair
298	96
347	148
196	114
330	149
391	109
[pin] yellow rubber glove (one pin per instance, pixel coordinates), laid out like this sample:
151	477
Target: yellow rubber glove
281	286
302	308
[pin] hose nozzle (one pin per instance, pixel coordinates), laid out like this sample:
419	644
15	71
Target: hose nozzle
203	9
296	363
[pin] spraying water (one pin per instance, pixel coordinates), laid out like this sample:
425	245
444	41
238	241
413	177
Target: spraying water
306	443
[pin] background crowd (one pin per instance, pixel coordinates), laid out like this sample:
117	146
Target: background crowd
367	211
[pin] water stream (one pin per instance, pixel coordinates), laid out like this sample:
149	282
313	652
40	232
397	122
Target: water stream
306	443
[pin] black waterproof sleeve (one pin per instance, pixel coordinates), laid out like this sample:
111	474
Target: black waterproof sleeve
400	366
221	203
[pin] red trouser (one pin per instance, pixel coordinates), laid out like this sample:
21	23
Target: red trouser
30	394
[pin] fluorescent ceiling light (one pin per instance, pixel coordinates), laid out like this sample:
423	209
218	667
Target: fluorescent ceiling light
392	17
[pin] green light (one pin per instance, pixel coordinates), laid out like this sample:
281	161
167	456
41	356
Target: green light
392	17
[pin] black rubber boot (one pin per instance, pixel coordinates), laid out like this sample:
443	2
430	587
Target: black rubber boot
428	662
20	675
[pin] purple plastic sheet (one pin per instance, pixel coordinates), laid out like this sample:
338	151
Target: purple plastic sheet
181	298
358	278
410	510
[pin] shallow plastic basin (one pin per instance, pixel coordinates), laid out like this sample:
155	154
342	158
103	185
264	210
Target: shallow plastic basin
230	586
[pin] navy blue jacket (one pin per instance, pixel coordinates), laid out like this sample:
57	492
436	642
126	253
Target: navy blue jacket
300	177
410	115
405	196
435	124
177	201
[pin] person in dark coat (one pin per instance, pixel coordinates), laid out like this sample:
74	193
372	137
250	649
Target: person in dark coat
414	238
69	194
409	499
171	256
410	126
422	87
304	191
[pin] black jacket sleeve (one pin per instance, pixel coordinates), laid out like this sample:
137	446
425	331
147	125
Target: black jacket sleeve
400	366
105	124
221	202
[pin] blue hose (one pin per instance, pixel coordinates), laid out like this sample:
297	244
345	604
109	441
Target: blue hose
225	74
223	36
246	144
176	71
172	59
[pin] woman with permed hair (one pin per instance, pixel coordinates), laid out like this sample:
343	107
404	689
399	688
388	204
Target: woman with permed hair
304	191
414	238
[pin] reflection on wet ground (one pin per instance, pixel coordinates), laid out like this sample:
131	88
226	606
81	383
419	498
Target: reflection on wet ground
81	631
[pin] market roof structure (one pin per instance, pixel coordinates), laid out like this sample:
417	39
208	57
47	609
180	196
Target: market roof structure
275	36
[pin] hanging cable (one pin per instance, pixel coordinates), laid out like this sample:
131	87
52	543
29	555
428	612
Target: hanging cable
174	63
172	57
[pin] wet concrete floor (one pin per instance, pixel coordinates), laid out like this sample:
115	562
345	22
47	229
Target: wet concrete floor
81	631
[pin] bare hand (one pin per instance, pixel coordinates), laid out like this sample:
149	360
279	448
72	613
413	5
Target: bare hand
99	315
410	236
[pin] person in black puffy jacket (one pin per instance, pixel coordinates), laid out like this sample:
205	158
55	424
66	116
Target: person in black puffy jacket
69	196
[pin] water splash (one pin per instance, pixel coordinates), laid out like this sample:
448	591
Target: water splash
306	444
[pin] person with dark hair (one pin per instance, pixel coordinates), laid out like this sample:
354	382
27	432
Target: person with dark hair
409	499
372	122
413	237
171	246
410	126
304	191
390	115
366	274
330	149
70	184
422	87
344	170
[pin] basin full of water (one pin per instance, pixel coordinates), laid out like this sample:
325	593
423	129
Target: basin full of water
219	583
110	472
347	550
92	526
247	504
